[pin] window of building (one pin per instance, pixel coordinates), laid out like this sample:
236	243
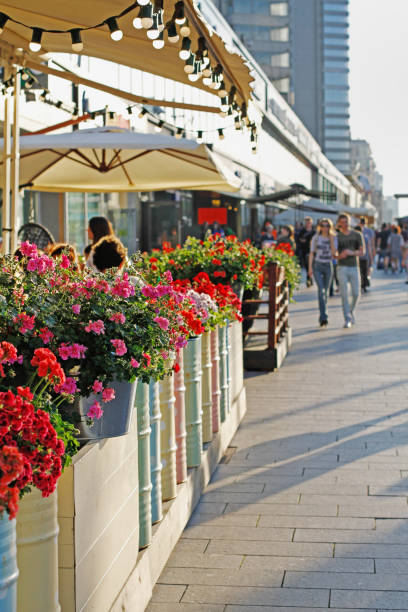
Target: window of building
337	144
336	78
336	37
336	52
338	156
336	6
251	32
252	6
280	60
340	121
336	96
341	64
337	133
280	34
263	57
280	9
282	85
335	18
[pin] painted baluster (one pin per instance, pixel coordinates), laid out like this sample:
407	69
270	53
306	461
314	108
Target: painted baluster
229	363
145	484
222	338
215	380
192	380
155	459
168	438
206	386
37	553
180	413
8	565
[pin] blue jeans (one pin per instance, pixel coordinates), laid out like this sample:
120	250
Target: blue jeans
323	273
346	275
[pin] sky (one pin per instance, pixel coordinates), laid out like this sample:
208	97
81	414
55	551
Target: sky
379	86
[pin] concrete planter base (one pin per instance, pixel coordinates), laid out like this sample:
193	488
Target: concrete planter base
138	590
259	358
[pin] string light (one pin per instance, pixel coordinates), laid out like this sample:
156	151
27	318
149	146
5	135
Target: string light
3	20
200	136
116	33
179	133
35	44
143	2
189	65
221	134
153	32
159	42
185	29
159	126
142	113
129	110
146	15
184	52
76	41
172	34
137	22
224	105
179	12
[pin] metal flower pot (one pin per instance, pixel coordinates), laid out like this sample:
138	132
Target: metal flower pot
116	418
8	566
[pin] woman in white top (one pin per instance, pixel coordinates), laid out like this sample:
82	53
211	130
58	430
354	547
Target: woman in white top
322	252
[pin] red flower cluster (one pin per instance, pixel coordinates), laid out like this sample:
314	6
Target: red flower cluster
285	247
47	365
8	354
37	451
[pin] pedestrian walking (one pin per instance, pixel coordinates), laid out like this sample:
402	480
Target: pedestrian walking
305	238
322	251
366	258
350	246
395	245
382	241
287	236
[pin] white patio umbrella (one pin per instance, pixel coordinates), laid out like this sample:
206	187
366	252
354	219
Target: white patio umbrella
111	159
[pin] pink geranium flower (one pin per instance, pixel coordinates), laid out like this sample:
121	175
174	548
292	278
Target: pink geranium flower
134	363
118	317
65	262
120	347
108	394
97	327
97	387
95	411
162	322
76	308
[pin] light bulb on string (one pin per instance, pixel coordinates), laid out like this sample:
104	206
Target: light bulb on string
3	20
35	44
189	65
185	29
206	60
224	104
195	75
158	43
153	32
116	33
179	12
222	92
206	81
179	133
214	81
44	94
231	95
24	75
129	110
143	2
184	52
207	71
200	136
137	22
172	34
159	126
146	16
221	134
76	41
254	150
142	113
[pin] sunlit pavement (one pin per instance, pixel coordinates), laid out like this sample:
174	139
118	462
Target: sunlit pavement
311	510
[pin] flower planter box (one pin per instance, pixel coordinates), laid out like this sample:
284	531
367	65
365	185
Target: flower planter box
98	514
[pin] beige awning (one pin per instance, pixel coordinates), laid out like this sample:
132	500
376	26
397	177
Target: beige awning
113	160
134	50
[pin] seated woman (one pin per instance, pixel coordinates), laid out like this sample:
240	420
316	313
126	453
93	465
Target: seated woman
98	227
107	253
63	248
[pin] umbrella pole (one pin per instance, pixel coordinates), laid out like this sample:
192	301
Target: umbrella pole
15	158
6	175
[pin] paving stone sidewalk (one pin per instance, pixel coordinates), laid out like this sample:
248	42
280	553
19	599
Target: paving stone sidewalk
310	512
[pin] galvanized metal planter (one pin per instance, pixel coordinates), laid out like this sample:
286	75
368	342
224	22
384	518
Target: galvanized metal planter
192	379
8	565
155	458
116	418
145	484
37	553
229	363
222	338
215	380
180	415
206	386
168	438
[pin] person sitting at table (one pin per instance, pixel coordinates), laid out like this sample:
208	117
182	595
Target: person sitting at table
108	253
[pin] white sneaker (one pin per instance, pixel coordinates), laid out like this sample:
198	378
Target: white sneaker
347	324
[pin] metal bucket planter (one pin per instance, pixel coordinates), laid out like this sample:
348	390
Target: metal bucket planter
222	339
180	416
215	380
206	386
37	553
155	458
8	565
116	418
145	483
192	380
168	438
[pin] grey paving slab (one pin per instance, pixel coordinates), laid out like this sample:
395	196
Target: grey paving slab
387	600
311	511
246	596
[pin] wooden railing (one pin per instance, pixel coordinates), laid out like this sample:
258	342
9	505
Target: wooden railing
277	315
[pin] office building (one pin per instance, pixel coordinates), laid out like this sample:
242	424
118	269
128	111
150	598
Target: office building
303	47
